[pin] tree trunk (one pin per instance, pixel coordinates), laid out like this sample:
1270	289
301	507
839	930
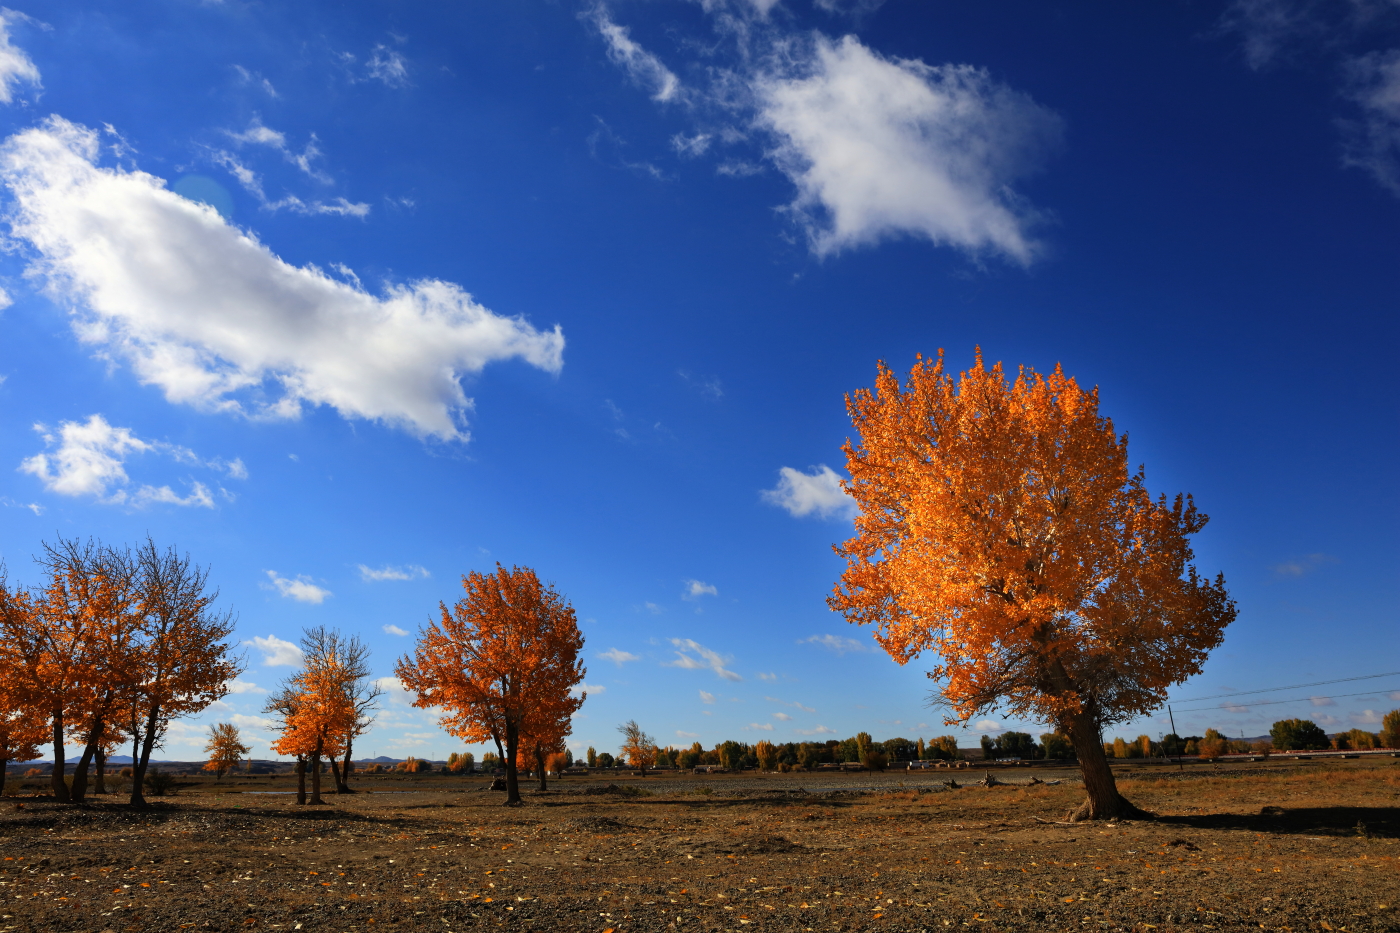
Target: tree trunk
80	772
101	777
301	782
4	764
138	799
335	774
138	767
512	778
539	763
1103	800
60	789
316	800
343	779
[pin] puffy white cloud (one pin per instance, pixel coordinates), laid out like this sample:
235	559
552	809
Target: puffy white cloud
706	696
682	734
406	572
818	492
880	147
987	725
275	651
590	689
16	67
618	656
238	686
301	588
90	460
819	730
203	310
394	689
392	629
1374	143
782	717
837	643
694	589
759	727
694	656
1367	717
644	68
255	723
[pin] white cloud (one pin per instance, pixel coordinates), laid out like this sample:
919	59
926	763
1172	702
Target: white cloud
301	589
392	629
255	78
16	67
9	503
782	717
987	725
252	183
90	461
1323	701
215	319
759	727
1267	26
653	608
682	734
388	66
794	705
590	689
694	589
706	660
644	68
769	678
819	730
256	723
618	656
244	686
406	572
259	135
1374	142
706	696
394	689
816	492
1367	717
880	147
276	652
836	643
1395	695
849	7
1230	706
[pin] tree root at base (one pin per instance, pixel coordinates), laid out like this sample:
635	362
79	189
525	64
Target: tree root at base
1122	810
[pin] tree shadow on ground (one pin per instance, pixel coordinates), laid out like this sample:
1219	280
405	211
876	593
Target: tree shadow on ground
1303	821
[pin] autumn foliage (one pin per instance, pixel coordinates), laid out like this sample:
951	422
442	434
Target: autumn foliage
225	748
1001	530
502	664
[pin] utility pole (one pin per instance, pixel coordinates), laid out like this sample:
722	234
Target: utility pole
1174	732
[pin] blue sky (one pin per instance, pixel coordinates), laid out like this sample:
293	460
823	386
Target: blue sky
347	300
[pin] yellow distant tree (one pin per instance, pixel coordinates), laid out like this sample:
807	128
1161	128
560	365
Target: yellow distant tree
1001	530
767	755
637	746
225	749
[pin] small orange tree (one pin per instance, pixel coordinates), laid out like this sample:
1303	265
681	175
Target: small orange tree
639	747
500	661
225	748
1000	529
317	708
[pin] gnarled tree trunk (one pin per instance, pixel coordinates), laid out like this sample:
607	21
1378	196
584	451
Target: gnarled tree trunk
1102	801
60	787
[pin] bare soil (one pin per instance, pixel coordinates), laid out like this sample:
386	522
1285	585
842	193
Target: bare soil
1270	845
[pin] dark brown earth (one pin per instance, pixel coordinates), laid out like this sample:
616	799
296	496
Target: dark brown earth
823	853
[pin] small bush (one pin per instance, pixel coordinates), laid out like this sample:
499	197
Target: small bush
33	772
874	759
159	783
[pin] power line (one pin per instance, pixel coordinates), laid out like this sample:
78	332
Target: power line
1336	696
1320	683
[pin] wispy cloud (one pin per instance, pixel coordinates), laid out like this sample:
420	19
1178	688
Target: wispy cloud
706	696
89	459
694	589
618	656
816	493
299	588
1368	717
16	67
682	734
392	629
1322	701
692	655
819	730
275	651
782	717
837	643
768	678
406	572
794	704
644	68
388	66
1303	566
759	727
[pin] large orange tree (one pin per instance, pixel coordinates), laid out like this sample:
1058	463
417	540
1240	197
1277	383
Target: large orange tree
317	705
501	664
1001	530
23	721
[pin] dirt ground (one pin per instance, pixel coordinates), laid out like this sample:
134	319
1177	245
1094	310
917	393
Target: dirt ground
1272	845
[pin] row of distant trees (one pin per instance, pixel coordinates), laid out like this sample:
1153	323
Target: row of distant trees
112	647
